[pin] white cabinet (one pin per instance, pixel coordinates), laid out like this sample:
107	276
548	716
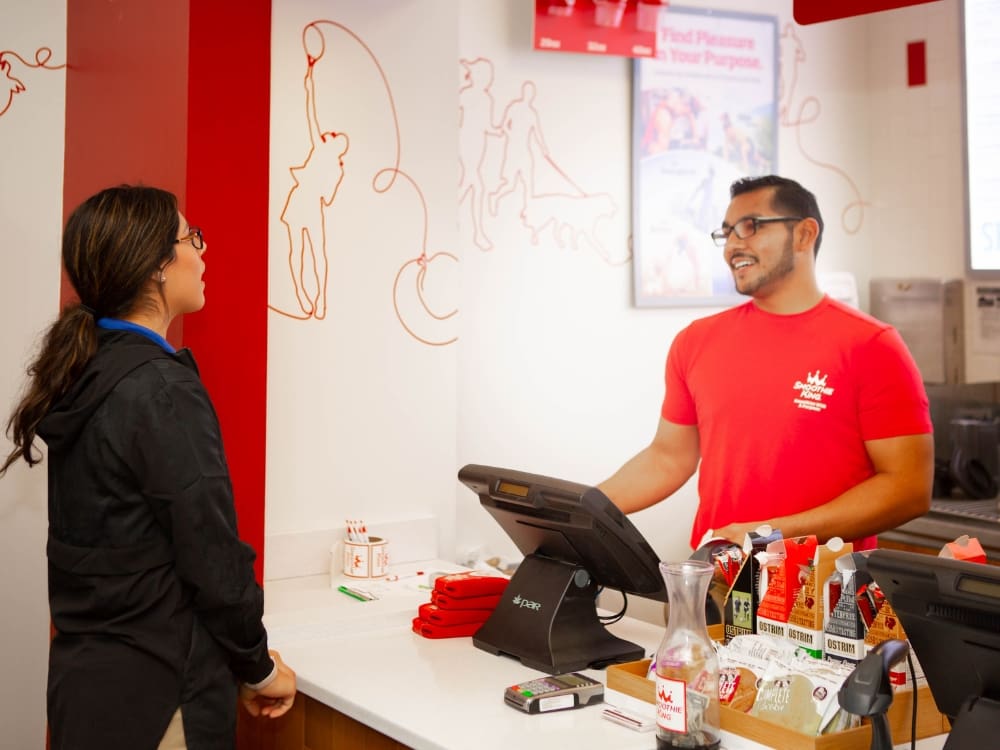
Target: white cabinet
929	314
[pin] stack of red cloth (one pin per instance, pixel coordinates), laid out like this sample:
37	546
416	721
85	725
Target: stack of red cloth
460	603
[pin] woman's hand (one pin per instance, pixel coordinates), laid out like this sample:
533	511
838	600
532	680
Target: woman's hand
276	698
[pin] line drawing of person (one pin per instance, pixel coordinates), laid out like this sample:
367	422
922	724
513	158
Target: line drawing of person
520	126
570	212
11	85
316	180
791	54
475	123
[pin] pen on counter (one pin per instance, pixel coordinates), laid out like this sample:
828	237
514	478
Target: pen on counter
418	574
354	594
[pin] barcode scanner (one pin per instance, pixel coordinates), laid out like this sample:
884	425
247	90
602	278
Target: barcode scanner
868	692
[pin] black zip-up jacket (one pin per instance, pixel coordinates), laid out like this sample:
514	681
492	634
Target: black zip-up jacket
152	593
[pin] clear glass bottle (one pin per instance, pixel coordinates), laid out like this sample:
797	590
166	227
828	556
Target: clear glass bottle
687	666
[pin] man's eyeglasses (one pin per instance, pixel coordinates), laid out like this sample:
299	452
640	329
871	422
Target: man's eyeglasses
196	238
747	227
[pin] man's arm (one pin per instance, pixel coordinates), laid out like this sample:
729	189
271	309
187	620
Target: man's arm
899	491
657	471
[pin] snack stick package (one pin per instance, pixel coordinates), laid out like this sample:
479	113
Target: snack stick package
812	602
740	616
885	627
726	559
784	582
844	632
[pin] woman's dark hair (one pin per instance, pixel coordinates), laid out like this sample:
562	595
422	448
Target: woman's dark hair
789	197
113	244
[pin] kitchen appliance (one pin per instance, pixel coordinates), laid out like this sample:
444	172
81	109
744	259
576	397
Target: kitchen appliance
974	464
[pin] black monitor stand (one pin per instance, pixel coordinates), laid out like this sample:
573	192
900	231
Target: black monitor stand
975	726
547	618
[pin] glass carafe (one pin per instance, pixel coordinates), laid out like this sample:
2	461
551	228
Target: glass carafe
687	666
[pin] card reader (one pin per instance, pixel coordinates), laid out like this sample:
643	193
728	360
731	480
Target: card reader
554	693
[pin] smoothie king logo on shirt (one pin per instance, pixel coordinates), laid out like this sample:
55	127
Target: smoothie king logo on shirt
812	392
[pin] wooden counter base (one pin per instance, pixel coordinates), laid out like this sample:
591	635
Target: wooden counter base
310	725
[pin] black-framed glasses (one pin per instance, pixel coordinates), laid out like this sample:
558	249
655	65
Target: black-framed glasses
747	227
195	237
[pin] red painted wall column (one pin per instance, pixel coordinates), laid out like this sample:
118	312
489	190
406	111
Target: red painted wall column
176	94
126	99
227	195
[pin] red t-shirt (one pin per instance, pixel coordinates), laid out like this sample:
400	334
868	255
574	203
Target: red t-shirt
784	403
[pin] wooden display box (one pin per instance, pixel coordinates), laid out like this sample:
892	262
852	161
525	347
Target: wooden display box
630	678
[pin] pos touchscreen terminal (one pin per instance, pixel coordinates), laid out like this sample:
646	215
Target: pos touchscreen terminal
950	610
575	541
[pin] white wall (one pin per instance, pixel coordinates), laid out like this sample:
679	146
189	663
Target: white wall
554	370
362	397
31	152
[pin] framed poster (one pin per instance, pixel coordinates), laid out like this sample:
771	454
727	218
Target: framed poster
704	113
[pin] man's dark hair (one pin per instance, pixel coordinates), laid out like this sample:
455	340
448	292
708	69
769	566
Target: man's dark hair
789	198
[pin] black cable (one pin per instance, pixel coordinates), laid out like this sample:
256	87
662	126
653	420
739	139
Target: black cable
611	619
913	712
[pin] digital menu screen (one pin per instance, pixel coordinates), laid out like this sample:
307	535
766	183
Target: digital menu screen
981	58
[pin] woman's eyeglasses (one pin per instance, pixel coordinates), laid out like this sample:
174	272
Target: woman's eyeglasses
195	237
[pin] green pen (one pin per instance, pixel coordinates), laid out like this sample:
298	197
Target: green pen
351	593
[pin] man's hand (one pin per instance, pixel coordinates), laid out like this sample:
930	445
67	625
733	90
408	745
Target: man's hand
735	532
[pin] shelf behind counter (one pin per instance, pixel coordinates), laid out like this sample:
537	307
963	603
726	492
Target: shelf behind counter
947	520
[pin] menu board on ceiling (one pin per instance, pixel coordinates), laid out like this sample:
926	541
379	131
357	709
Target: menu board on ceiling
624	28
814	11
981	58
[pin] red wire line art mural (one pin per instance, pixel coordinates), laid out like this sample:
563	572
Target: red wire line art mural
333	161
316	182
570	215
11	84
793	113
475	128
411	290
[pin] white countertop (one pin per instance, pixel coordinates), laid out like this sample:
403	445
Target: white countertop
362	659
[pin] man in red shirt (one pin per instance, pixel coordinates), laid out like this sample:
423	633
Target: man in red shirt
803	412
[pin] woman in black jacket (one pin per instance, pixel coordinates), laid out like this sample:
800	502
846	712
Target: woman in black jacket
156	610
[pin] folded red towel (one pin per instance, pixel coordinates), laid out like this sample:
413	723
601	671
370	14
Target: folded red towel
471	583
434	630
434	614
444	601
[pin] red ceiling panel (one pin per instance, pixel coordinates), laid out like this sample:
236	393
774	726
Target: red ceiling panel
814	11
